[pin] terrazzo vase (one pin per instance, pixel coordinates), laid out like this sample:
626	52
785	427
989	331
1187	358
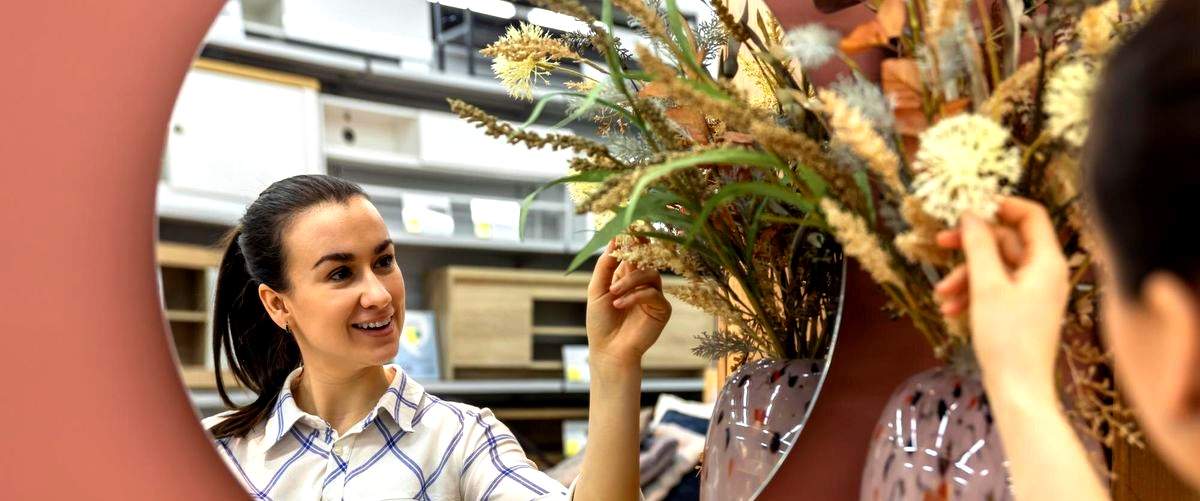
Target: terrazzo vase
757	417
936	441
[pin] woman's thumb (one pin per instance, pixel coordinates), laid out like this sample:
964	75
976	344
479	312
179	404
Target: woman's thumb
984	265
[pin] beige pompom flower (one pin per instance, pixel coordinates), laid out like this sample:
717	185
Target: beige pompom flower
963	165
525	54
1068	98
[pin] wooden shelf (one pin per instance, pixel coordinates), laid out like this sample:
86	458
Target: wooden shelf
187	316
541	413
187	256
559	330
202	378
545	365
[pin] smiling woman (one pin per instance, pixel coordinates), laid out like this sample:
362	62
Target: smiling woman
307	303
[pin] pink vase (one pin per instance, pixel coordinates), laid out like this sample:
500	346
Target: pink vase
936	440
757	417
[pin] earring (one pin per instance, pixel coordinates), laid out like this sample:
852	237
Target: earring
287	328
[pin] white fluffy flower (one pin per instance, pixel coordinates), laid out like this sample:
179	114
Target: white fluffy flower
812	44
868	98
1068	98
963	165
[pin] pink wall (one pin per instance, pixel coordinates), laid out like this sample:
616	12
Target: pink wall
873	356
93	408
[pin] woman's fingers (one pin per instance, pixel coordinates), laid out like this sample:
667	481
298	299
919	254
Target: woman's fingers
1033	223
648	296
953	284
984	263
949	239
956	305
635	278
602	276
1011	246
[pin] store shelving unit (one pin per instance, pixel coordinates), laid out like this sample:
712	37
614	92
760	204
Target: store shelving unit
188	278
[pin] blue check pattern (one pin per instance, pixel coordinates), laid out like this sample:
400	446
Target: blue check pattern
412	445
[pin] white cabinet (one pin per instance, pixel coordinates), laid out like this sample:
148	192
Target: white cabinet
450	143
234	131
400	29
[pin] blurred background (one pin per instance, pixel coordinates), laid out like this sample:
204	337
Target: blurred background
358	90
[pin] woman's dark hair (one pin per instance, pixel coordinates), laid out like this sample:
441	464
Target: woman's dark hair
260	353
1143	172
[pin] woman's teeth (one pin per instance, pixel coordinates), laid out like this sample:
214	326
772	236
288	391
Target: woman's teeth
374	325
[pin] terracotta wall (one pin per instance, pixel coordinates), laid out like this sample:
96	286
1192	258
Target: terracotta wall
93	407
874	355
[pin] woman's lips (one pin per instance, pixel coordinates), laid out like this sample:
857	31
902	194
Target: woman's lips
383	331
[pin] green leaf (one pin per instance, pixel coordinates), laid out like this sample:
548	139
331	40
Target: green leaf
654	208
584	177
729	156
540	106
599	240
807	220
638	75
752	235
675	21
759	188
610	53
864	184
815	182
588	103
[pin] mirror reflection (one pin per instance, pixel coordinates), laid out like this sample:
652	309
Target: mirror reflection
355	309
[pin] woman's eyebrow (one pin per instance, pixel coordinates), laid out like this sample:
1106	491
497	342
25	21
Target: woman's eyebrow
346	257
343	257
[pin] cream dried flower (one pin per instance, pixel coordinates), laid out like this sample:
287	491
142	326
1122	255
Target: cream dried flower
653	253
859	243
919	243
705	294
518	76
529	41
963	165
524	55
1068	98
1096	27
812	44
854	130
581	191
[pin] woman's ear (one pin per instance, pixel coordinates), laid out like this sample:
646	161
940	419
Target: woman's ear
1174	309
273	302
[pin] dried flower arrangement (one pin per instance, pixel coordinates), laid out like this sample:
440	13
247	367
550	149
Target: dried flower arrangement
681	185
736	183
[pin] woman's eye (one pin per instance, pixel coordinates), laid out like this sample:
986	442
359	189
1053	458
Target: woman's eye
385	261
339	274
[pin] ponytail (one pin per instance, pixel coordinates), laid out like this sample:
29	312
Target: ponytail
261	354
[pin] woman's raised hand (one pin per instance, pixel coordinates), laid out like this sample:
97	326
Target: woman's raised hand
626	311
1016	286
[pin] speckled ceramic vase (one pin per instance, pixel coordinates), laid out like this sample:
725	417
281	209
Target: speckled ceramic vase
936	440
757	417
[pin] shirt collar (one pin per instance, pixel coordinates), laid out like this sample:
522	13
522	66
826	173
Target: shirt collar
400	402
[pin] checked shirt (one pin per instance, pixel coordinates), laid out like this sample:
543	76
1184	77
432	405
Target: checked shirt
412	445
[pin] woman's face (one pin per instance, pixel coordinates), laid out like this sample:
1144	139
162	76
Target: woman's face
346	295
1155	338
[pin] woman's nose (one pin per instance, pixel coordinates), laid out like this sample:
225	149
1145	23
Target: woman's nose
374	294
